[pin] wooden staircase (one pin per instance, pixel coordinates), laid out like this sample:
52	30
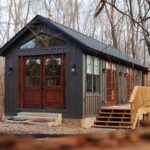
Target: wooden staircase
126	116
114	117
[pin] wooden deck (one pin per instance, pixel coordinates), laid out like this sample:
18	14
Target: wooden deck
126	106
125	116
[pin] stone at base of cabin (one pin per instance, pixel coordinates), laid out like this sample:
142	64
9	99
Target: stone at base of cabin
83	123
72	122
88	122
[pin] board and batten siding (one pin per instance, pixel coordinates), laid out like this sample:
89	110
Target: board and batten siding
93	101
73	99
11	83
74	82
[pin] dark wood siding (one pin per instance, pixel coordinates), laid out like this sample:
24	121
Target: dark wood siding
73	80
11	83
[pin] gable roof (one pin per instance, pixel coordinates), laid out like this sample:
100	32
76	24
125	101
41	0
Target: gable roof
84	40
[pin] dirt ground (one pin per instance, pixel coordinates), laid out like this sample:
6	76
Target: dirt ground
46	131
18	137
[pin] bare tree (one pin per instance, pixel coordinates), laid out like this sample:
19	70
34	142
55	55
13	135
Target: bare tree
139	16
111	16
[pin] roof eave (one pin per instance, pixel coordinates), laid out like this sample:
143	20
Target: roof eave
99	52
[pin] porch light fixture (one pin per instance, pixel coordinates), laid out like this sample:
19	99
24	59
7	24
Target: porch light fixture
104	70
73	68
10	69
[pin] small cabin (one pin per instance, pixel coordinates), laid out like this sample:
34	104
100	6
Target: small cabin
52	68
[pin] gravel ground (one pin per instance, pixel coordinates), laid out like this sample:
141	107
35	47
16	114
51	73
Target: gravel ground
25	129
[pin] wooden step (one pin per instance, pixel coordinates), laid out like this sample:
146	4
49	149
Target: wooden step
116	110
112	127
117	122
114	114
114	118
109	124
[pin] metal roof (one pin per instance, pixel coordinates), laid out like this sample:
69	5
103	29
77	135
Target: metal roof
86	41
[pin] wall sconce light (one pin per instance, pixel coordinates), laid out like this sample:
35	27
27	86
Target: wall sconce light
125	74
10	69
104	70
120	73
73	68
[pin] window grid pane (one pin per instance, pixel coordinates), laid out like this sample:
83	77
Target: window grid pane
89	65
96	66
96	84
89	82
93	75
53	71
32	72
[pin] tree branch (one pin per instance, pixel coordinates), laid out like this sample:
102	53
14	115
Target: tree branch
129	17
100	7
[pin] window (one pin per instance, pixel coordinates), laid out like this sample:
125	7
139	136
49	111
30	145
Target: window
107	65
96	77
92	74
42	41
53	71
89	78
89	65
32	66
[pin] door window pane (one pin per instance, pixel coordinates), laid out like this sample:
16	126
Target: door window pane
32	69
53	71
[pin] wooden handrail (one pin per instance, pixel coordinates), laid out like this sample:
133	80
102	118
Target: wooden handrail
140	103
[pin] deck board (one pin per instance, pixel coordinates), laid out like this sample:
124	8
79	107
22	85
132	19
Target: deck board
126	106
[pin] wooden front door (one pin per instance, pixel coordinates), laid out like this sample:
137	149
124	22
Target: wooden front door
112	84
42	82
